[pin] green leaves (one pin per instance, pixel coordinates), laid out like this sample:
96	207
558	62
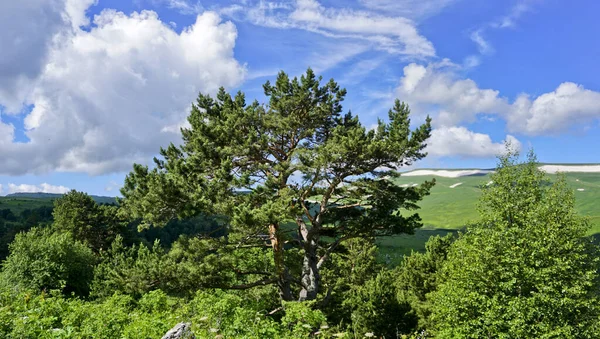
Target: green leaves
43	260
262	166
526	270
88	222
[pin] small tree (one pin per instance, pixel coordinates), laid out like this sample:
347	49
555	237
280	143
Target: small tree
78	213
294	166
526	270
42	260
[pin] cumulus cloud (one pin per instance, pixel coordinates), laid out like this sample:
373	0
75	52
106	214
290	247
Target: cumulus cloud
439	91
451	100
553	112
26	30
42	188
459	141
393	34
106	96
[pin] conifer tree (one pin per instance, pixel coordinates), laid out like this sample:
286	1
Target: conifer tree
296	172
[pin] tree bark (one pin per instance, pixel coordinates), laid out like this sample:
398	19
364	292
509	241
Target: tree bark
283	282
311	279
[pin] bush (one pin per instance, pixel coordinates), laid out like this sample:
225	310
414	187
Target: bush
43	260
526	270
377	310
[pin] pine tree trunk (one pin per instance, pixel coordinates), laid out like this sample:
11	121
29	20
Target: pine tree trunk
282	275
311	278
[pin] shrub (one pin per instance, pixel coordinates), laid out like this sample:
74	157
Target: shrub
43	260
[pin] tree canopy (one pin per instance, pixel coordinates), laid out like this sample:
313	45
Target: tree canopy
78	213
526	269
296	174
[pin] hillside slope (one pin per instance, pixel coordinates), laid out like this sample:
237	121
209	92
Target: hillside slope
453	200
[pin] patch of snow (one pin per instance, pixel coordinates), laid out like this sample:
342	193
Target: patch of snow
404	185
581	189
489	183
414	185
446	173
462	173
570	168
456	185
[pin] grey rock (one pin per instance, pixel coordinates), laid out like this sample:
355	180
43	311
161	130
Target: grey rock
180	331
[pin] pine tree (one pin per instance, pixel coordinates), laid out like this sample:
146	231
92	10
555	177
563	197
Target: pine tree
296	172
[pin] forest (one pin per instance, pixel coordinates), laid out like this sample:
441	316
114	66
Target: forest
263	223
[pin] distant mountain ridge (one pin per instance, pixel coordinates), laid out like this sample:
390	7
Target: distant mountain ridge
41	195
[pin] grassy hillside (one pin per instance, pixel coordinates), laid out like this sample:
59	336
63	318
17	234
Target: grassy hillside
18	202
18	205
450	208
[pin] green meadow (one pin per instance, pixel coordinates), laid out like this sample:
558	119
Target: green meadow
450	207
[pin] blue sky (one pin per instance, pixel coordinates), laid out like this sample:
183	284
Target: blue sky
88	87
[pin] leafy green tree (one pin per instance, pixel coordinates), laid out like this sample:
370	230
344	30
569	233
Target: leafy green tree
526	270
43	260
377	310
349	268
296	165
419	275
77	213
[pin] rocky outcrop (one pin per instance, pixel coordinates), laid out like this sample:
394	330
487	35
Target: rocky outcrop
180	331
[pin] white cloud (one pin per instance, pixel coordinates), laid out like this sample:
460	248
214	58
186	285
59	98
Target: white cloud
450	100
415	9
507	21
26	30
185	6
459	141
393	34
516	12
42	188
7	132
438	91
570	104
482	44
106	97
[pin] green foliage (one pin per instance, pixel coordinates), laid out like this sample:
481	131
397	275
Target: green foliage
188	266
362	294
377	310
525	270
211	313
78	213
237	160
42	260
302	320
349	268
130	270
196	226
419	275
11	223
